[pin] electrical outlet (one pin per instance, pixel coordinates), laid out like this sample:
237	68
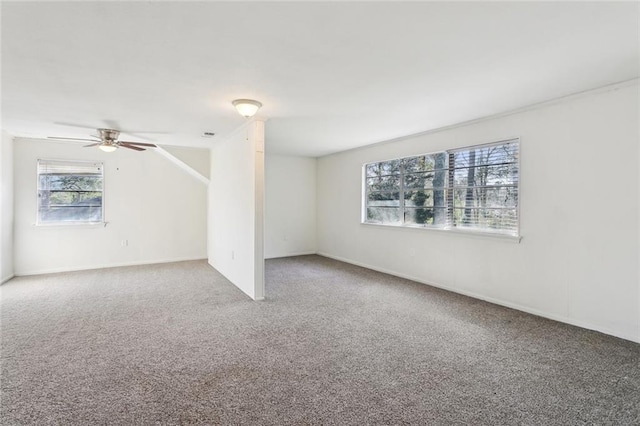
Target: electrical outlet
124	243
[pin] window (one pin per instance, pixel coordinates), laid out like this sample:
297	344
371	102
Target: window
69	192
472	188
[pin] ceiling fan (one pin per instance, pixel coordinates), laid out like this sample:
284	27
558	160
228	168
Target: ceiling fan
107	140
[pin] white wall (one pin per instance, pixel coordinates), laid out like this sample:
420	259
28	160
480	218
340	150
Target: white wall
290	215
6	207
236	191
157	207
578	259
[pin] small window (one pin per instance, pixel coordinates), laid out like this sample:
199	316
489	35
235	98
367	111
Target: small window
70	192
473	188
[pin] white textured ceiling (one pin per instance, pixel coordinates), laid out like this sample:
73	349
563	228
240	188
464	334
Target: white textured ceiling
331	76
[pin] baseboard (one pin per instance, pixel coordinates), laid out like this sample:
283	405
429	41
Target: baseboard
110	265
298	253
4	280
500	302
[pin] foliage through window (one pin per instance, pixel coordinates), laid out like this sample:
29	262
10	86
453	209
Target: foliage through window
69	192
471	188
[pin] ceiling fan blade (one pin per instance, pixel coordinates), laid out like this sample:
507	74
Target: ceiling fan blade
138	143
93	144
125	145
139	133
70	139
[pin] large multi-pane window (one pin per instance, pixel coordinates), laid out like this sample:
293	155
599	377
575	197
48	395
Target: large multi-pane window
471	188
69	192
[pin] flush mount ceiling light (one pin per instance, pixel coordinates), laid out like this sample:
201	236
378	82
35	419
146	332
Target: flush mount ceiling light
247	107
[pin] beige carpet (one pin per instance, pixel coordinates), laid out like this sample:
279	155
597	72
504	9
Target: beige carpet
333	344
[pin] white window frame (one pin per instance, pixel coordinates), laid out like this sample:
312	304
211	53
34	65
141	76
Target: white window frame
40	223
448	187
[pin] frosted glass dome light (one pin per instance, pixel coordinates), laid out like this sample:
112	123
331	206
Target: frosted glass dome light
108	147
247	107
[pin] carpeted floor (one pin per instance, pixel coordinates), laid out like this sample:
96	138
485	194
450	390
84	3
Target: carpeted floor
333	344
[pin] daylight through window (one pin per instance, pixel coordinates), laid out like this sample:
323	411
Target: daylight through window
472	188
69	192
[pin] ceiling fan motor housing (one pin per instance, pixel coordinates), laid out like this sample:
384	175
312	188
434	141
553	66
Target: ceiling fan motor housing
108	135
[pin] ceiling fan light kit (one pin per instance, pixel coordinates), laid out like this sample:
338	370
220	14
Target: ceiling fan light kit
247	107
108	147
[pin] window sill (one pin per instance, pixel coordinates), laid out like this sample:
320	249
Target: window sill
70	225
454	231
